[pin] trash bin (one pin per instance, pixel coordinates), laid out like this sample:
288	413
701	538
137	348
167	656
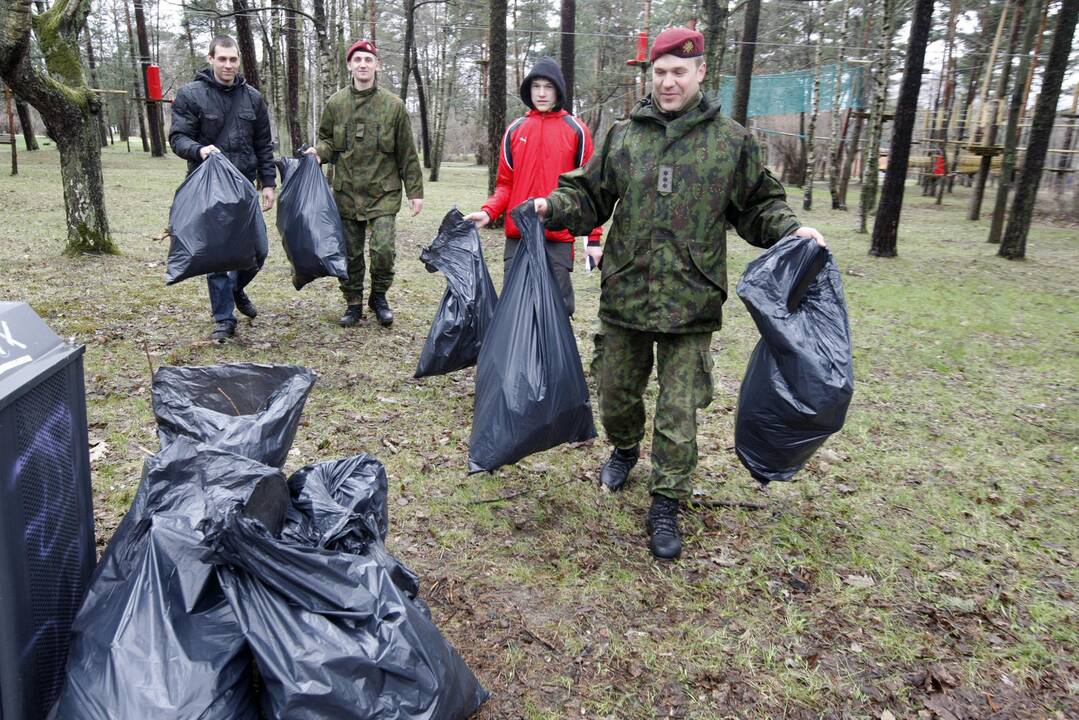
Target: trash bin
46	508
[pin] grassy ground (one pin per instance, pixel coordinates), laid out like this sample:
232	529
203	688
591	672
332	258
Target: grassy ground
924	565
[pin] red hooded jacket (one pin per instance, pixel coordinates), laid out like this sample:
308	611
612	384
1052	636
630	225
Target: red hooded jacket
535	150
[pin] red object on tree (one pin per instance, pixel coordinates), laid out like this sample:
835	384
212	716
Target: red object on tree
153	82
938	165
642	50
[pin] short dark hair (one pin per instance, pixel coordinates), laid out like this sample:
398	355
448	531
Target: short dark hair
221	41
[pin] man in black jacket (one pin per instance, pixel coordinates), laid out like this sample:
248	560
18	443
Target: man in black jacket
206	119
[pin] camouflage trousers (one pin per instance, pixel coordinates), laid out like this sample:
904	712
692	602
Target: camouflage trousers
383	252
622	365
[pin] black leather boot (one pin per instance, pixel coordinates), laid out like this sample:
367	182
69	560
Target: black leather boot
244	304
615	471
665	539
352	315
377	302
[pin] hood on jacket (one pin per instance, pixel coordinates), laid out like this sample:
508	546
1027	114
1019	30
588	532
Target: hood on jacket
206	75
546	68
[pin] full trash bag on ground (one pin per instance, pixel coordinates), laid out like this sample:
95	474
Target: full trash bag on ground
309	223
215	224
800	377
222	566
334	636
155	636
530	388
468	305
246	408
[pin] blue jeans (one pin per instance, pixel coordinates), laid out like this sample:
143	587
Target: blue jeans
224	285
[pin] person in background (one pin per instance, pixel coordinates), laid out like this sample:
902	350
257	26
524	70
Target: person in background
535	150
219	112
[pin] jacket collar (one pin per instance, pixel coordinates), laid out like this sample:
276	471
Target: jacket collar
533	113
677	123
206	75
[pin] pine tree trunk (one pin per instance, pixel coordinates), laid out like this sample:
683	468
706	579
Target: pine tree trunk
27	124
1014	244
715	43
871	158
136	96
811	141
568	50
991	131
245	38
292	69
421	96
886	226
153	109
496	84
96	82
408	40
67	107
1011	131
740	109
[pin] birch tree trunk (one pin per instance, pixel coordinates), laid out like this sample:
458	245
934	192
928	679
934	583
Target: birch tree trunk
811	145
66	105
871	160
836	141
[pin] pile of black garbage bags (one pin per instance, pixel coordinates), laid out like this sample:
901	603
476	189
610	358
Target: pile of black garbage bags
230	592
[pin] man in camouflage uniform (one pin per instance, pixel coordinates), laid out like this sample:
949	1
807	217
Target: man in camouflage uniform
672	175
365	132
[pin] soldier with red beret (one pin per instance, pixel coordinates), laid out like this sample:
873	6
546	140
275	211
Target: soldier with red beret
672	175
365	132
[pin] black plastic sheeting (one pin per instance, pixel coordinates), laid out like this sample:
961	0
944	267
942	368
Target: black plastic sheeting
249	409
468	305
309	223
222	566
800	377
215	223
530	388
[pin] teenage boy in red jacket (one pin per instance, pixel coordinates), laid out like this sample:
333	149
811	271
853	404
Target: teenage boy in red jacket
535	150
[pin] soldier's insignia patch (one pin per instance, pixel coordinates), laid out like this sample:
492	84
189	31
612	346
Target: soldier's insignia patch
666	180
687	46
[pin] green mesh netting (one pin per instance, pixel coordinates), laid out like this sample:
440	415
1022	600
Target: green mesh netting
792	92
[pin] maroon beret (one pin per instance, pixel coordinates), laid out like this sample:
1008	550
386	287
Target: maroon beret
361	46
678	41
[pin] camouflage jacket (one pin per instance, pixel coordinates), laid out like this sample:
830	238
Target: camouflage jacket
366	134
672	183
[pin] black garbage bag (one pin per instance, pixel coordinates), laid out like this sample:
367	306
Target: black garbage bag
286	166
468	305
245	408
215	224
800	377
155	636
530	388
334	636
341	505
310	225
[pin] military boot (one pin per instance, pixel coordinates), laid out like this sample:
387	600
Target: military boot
377	302
353	314
244	304
615	471
665	539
